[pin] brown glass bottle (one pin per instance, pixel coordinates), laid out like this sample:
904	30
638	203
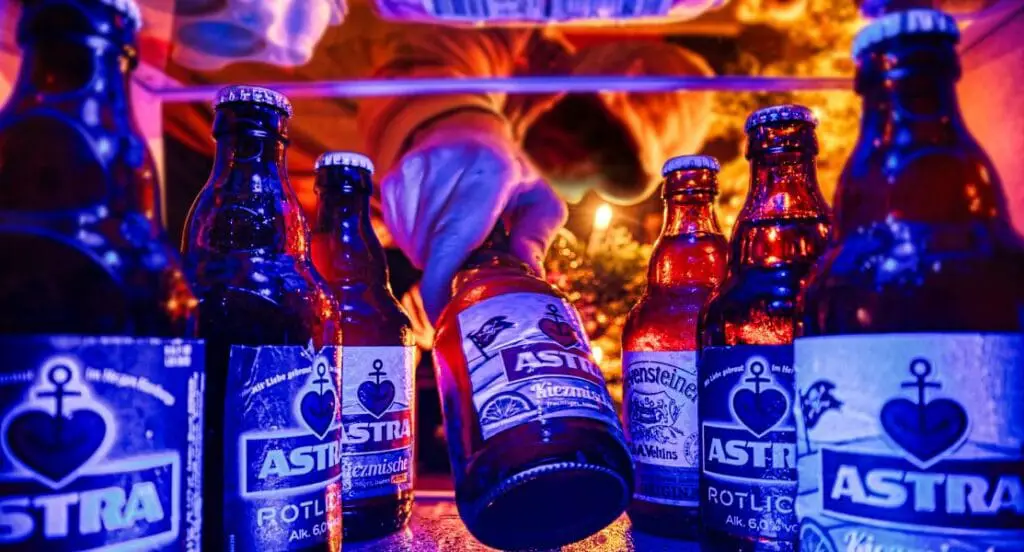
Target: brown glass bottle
910	360
378	359
273	431
536	449
102	374
659	344
745	369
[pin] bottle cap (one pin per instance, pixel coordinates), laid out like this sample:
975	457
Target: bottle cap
127	8
781	114
687	162
903	23
344	159
253	94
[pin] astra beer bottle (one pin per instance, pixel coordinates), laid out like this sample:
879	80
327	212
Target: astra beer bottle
273	432
101	402
537	451
660	351
910	365
379	355
745	374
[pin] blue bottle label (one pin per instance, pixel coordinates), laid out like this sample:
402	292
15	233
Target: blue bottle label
529	360
377	411
659	407
102	442
282	448
748	440
911	442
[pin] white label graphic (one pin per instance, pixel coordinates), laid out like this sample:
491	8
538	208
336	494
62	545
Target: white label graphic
911	442
100	442
660	413
377	415
528	358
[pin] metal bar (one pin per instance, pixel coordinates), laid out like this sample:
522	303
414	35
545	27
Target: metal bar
517	85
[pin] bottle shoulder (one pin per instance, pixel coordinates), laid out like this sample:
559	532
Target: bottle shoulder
92	283
277	277
664	323
900	276
482	289
51	162
371	316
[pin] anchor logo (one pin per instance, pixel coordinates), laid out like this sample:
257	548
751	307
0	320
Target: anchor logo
761	404
377	396
556	328
319	404
926	430
60	429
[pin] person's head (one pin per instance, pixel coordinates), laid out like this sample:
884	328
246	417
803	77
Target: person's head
615	142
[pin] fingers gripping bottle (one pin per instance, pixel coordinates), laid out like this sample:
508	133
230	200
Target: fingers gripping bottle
660	351
378	398
536	448
273	463
745	370
101	409
910	366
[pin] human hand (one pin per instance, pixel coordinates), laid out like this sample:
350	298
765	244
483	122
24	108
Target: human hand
445	195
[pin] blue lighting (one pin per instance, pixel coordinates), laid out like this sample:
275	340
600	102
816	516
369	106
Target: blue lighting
517	85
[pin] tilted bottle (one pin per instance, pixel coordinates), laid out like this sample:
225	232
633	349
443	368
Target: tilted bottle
910	363
378	398
659	344
273	432
536	448
745	369
102	376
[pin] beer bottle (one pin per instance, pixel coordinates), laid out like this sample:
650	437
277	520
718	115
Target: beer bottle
745	373
659	344
910	364
101	404
537	451
379	355
274	424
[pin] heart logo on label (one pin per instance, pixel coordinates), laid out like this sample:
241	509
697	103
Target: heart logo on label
55	448
925	430
60	430
318	410
924	433
319	404
760	412
559	332
376	396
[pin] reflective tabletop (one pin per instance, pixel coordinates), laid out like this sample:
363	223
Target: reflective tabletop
436	527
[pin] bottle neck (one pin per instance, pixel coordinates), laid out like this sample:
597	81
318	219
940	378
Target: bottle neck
76	71
246	162
676	260
248	205
356	256
784	217
689	214
913	145
486	263
494	257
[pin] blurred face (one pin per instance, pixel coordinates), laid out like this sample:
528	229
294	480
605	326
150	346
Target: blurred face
579	145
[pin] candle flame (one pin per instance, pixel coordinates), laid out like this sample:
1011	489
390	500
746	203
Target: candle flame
603	217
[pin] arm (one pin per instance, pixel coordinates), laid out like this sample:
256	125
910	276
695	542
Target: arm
390	125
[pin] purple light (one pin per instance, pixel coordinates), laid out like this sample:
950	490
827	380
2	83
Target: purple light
517	85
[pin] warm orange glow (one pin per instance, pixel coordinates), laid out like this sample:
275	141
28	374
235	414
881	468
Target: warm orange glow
603	217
